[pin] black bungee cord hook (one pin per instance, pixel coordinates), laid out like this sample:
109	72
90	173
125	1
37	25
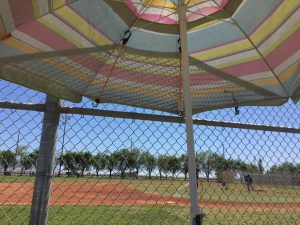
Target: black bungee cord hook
125	39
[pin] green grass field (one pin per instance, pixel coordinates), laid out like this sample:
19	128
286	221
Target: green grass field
235	193
154	215
169	215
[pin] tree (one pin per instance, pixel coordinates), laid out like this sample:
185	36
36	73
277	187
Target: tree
99	162
25	163
238	165
173	165
22	157
83	160
298	167
209	162
111	162
184	166
69	162
123	158
56	163
148	162
251	168
284	167
134	161
260	166
7	159
20	151
33	157
162	164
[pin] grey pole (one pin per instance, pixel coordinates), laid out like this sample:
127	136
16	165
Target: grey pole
196	214
42	184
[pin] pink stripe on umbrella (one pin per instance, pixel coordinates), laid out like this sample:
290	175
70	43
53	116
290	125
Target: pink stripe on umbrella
256	66
45	35
285	50
22	11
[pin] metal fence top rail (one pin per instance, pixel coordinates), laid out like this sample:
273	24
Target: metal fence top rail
149	117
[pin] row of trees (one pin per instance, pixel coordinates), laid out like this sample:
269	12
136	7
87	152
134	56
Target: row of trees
123	161
21	158
129	162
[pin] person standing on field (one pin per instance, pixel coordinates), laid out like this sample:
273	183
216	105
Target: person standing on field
249	182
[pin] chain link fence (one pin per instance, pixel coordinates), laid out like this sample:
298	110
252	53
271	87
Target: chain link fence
131	167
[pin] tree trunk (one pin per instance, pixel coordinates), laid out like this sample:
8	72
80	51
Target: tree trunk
110	170
82	172
137	173
5	169
149	174
185	176
97	172
122	174
207	176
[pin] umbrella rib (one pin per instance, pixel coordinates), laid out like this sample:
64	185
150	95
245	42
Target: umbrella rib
231	78
242	103
255	47
296	95
154	21
162	10
70	52
211	17
115	62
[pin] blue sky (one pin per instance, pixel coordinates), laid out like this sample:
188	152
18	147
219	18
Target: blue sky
98	134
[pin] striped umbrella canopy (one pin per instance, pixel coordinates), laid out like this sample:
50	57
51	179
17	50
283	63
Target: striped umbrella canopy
241	52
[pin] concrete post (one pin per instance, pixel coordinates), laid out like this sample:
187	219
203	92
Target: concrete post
42	184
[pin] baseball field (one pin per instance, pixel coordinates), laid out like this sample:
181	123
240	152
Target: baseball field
135	201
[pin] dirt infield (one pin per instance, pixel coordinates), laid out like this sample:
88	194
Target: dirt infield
117	194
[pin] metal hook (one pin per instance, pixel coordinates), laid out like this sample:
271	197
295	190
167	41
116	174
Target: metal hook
236	111
179	42
236	108
96	103
126	37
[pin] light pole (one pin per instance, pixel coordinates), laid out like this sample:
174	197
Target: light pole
223	150
65	117
17	151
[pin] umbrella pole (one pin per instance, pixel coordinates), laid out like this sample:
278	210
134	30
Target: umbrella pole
42	183
196	214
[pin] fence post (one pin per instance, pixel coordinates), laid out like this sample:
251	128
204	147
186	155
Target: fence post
42	183
196	214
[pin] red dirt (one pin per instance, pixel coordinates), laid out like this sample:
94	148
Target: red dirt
117	193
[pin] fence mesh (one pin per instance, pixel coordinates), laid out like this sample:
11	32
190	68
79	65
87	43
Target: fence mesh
132	171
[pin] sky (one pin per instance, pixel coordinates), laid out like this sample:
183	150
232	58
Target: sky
99	134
